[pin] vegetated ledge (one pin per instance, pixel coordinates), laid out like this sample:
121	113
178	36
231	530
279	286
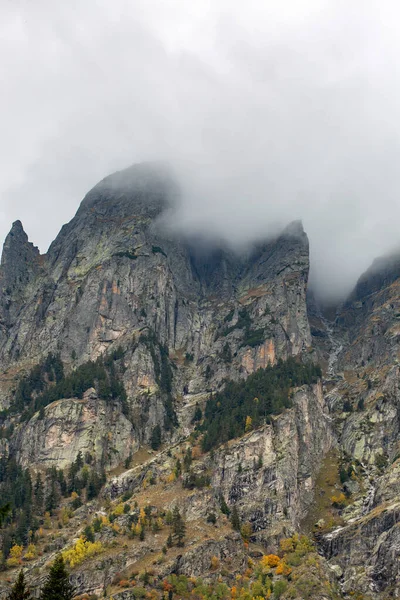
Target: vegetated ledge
246	404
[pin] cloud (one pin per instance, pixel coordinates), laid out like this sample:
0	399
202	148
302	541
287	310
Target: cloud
269	112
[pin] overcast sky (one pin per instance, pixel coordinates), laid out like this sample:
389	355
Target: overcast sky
273	111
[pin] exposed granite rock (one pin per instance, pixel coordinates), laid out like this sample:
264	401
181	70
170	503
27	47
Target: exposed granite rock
114	276
90	426
269	474
196	562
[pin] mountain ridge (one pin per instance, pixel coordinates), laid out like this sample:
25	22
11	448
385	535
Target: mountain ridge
112	347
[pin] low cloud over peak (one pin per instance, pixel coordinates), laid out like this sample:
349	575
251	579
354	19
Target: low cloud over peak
267	113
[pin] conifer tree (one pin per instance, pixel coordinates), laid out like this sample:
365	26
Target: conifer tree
57	586
235	519
156	438
19	590
4	510
178	527
39	494
187	459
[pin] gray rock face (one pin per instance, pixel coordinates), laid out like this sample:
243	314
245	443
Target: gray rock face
20	264
114	277
269	474
186	317
367	386
19	260
70	426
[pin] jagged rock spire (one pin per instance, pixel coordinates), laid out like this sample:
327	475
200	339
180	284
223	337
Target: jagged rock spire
19	259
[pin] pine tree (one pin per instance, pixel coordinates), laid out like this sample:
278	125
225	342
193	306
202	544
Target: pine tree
89	534
39	494
178	527
52	498
79	461
156	438
187	459
57	586
19	590
235	519
224	507
4	510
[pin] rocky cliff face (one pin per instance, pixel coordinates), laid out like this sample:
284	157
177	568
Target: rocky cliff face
364	401
163	321
114	277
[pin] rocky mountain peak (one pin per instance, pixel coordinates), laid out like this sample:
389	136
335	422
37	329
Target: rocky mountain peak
19	260
141	189
383	271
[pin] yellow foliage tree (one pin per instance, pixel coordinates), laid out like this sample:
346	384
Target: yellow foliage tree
14	558
31	552
338	501
64	516
119	510
47	520
270	560
288	544
249	424
81	551
246	530
283	569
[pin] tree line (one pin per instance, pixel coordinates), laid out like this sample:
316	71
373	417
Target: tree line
28	500
243	405
48	382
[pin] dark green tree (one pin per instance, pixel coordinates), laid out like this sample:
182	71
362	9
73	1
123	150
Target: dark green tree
79	461
19	590
198	415
224	507
39	494
178	527
53	497
4	510
178	468
88	533
156	438
235	519
57	586
187	459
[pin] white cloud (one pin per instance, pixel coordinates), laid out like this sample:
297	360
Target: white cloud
271	112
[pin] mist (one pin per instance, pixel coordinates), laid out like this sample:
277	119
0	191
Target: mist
267	113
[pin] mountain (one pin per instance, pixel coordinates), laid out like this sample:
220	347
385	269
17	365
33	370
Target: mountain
157	389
